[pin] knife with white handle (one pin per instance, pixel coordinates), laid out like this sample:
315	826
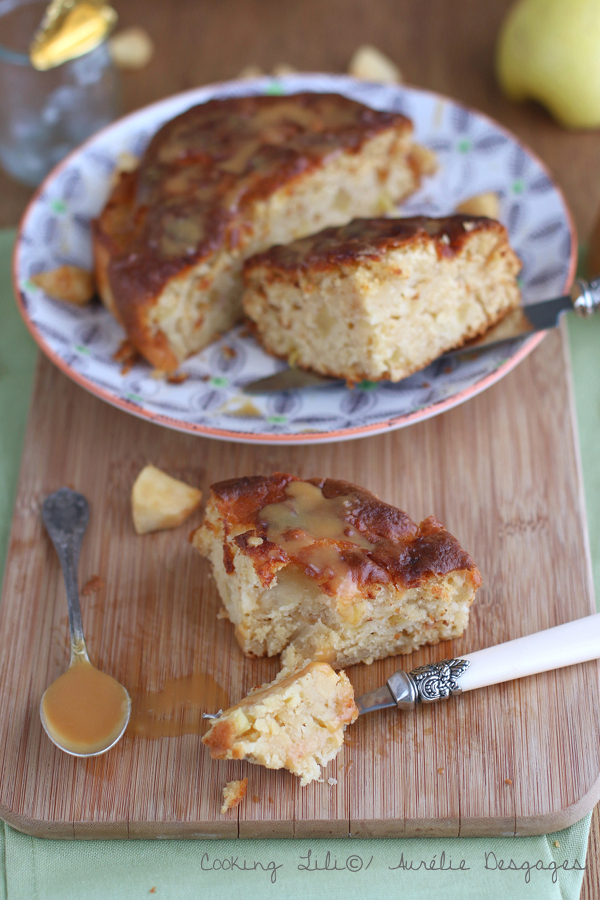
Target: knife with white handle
544	651
584	299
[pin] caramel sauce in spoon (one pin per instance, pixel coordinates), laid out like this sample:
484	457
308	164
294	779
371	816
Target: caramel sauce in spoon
84	712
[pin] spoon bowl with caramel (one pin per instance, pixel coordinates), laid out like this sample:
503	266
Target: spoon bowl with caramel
84	712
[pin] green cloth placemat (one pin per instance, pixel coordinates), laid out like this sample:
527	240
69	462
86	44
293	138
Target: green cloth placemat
549	867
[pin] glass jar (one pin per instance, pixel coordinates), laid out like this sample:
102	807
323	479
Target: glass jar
44	115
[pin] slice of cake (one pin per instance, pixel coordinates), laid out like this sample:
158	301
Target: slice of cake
381	298
230	178
296	722
322	569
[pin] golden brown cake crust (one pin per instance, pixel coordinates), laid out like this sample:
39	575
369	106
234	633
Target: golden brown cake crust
199	175
403	553
369	239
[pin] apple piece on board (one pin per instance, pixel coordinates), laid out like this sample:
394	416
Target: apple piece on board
159	501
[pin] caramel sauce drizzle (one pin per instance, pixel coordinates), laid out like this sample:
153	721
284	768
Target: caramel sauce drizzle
301	524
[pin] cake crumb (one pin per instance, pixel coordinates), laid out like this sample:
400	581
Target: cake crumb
152	890
508	781
233	794
70	283
332	781
94	584
127	355
557	843
440	771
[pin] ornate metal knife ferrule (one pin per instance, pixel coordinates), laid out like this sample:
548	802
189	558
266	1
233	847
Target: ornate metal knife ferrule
425	684
586	296
403	689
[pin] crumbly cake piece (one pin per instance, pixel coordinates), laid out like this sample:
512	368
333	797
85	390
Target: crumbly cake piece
297	722
381	298
230	178
233	794
322	569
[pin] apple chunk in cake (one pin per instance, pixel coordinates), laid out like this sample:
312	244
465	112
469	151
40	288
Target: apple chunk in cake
323	570
381	298
296	722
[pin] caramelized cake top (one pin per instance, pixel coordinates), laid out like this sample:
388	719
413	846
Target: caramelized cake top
369	240
338	534
205	167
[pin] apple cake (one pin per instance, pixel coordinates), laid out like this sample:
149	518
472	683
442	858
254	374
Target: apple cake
381	298
323	570
297	722
225	180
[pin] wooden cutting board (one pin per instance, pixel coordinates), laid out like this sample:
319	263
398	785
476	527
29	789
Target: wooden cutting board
501	472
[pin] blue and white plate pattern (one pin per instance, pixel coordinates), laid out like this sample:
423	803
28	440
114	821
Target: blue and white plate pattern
474	154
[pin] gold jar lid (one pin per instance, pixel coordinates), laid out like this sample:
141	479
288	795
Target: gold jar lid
69	29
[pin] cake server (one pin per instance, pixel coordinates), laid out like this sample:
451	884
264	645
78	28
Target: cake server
584	298
544	651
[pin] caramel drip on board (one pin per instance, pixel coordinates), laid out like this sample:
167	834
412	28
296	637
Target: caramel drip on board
177	708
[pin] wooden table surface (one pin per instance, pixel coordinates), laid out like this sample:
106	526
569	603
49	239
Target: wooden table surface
439	44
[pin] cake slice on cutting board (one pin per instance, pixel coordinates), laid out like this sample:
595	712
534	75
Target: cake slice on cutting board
323	570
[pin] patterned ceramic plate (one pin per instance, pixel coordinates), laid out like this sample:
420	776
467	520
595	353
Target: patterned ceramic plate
475	155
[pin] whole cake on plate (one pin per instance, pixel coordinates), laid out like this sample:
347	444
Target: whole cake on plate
230	178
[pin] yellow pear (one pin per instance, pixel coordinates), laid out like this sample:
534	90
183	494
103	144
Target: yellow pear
549	50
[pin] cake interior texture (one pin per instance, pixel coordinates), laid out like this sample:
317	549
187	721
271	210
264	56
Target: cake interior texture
381	298
297	722
228	179
323	570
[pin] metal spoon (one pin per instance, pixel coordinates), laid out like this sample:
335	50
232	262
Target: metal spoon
65	514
